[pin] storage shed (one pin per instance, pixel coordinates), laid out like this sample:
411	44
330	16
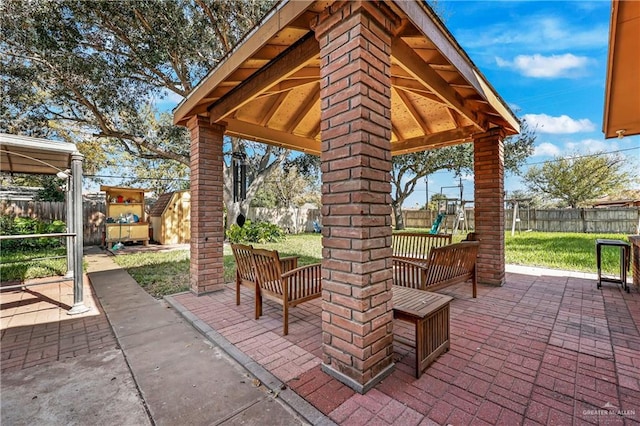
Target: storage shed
170	218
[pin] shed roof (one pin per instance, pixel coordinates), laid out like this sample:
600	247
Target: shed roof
24	154
268	88
622	94
161	204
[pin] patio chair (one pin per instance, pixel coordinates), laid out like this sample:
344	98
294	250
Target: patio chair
245	274
288	288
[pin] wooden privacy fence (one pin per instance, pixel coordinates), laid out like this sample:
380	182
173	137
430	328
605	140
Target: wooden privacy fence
592	221
298	220
93	213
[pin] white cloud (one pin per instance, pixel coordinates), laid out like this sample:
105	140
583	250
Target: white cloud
536	32
544	123
546	149
591	146
538	66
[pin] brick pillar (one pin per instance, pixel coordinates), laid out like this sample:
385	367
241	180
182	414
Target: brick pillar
355	92
488	156
207	220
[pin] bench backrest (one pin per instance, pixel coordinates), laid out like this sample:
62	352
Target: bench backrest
450	264
416	246
244	263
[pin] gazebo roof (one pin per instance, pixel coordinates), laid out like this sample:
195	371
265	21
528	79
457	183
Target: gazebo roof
267	89
622	97
24	154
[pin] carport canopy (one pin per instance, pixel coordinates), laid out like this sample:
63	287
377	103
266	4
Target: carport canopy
28	155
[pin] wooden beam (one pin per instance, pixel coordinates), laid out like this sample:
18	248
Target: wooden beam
446	138
284	65
273	108
421	16
414	65
279	17
417	117
255	132
285	86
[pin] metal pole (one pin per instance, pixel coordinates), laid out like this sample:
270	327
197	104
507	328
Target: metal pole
69	219
76	174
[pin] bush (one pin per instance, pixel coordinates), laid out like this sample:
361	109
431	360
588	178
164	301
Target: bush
259	232
24	226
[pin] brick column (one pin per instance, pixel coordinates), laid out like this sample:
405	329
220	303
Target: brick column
207	220
355	92
488	157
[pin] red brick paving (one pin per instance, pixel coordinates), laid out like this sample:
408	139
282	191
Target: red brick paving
36	329
537	351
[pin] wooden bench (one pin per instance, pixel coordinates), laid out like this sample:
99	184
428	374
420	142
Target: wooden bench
416	246
445	266
429	312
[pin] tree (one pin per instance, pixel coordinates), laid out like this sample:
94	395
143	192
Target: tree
408	169
578	179
286	187
103	69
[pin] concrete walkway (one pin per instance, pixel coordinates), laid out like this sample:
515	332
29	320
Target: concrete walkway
162	371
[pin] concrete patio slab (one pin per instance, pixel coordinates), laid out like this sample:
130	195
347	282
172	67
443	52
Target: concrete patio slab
96	388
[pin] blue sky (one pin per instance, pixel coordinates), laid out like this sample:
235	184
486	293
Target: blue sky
548	61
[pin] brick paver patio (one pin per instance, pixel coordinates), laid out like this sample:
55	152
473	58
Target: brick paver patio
539	350
36	330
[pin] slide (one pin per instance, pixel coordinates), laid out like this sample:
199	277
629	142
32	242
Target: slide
436	223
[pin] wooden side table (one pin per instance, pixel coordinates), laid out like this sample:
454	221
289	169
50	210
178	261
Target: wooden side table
429	312
625	251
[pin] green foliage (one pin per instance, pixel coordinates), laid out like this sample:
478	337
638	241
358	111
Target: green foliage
51	189
408	169
10	225
29	263
578	179
286	187
258	232
103	68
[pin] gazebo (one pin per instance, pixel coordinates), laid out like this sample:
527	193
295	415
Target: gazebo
24	154
354	82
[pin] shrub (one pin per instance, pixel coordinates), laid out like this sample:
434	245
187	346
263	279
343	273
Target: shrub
259	232
26	225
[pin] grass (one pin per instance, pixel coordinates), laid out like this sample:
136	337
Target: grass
165	273
567	251
159	273
23	265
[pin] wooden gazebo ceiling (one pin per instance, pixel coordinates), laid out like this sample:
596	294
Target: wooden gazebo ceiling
268	88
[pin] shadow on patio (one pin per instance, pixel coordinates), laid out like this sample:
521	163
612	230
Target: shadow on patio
540	350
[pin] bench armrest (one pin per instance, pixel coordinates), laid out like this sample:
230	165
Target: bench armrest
289	263
408	273
303	282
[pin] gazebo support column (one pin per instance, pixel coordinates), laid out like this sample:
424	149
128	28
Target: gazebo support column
488	155
355	93
207	220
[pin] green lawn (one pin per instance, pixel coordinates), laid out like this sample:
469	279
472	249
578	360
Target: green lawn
23	265
168	272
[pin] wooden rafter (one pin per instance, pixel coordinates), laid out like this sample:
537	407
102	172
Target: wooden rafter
304	109
440	139
415	114
414	65
275	137
273	108
283	66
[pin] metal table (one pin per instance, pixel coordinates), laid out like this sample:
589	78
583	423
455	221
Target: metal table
625	257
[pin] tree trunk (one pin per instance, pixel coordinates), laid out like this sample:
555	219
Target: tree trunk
397	213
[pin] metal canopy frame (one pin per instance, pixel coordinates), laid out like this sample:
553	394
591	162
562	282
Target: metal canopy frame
24	154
